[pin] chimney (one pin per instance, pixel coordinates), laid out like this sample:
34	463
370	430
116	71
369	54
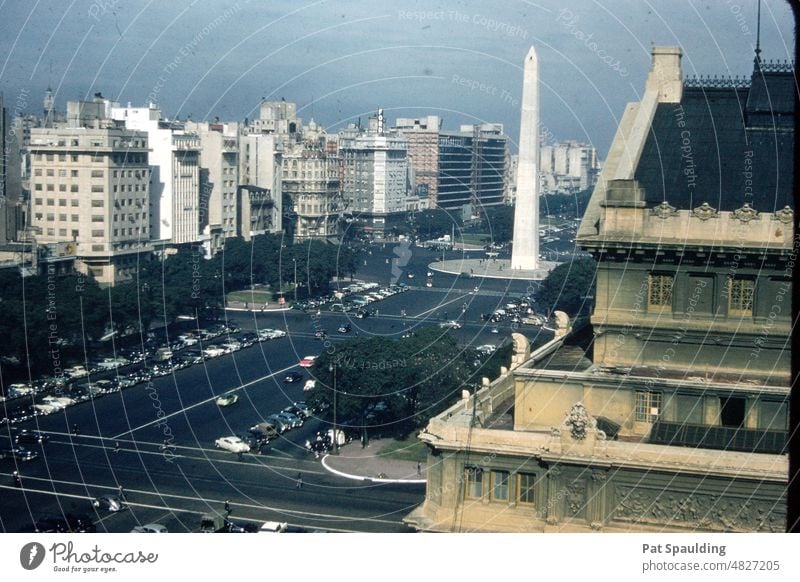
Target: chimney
665	74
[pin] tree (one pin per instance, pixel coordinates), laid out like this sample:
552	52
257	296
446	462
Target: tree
500	224
569	287
400	384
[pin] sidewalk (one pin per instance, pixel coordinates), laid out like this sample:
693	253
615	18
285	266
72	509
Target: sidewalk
359	464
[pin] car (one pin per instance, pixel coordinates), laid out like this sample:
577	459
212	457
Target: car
109	502
344	328
227	399
293	377
31	436
303	407
495	330
280	425
19	454
69	522
307	362
234	444
452	324
273	527
150	528
264	430
309	385
292	409
291	419
486	349
321	334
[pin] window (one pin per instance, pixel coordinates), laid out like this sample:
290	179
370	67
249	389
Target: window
96	218
51	202
37	187
660	289
74	202
525	485
648	406
37	201
500	485
62	173
62	201
73	188
74	158
63	218
740	296
97	188
50	172
74	142
98	203
73	217
474	478
62	187
97	173
37	172
51	188
97	233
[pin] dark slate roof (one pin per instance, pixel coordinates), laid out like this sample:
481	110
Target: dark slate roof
703	149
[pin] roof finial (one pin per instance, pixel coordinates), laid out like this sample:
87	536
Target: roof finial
757	60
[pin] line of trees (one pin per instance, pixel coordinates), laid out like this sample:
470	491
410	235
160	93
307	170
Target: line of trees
45	318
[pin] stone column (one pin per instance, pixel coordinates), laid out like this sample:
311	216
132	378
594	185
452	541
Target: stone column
555	496
597	500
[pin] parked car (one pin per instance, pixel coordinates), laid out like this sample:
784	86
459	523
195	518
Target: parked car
70	522
109	502
344	328
27	436
19	454
280	425
452	324
309	385
292	377
264	429
304	408
227	399
292	420
273	527
150	528
234	444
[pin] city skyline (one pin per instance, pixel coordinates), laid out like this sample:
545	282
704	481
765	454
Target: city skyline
412	59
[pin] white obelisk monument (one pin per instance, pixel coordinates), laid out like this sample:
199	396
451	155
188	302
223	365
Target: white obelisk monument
525	253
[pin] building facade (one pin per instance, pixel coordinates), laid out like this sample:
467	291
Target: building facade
375	174
422	135
669	413
472	167
219	181
175	175
568	167
90	189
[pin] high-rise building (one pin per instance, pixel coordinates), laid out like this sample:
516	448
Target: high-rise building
174	176
260	191
375	172
422	135
310	179
472	164
11	216
219	181
669	413
90	189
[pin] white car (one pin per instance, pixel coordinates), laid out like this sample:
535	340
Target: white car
233	444
227	399
486	349
149	528
309	385
273	527
450	325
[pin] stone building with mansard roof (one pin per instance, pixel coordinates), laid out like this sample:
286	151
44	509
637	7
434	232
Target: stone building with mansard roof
670	412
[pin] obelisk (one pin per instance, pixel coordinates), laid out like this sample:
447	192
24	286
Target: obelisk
525	253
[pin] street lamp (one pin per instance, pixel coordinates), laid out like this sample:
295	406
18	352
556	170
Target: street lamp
295	279
332	370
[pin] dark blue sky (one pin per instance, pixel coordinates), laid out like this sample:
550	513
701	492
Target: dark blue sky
343	59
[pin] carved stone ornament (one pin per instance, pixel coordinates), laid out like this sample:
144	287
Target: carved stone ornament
578	421
664	210
697	511
785	215
746	213
705	211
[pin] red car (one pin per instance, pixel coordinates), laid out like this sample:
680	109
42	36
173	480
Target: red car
307	362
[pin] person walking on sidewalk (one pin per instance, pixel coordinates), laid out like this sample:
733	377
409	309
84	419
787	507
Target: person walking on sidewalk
17	480
299	482
419	468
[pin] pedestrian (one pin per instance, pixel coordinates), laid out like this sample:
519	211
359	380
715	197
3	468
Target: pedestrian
419	468
116	446
121	491
299	483
75	430
17	480
227	508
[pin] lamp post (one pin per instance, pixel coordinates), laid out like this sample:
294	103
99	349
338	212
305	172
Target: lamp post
295	279
332	370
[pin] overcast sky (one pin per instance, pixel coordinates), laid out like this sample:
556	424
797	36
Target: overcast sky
343	59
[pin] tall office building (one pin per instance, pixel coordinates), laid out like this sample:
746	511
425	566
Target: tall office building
422	135
219	181
472	168
11	216
260	191
375	174
90	190
567	167
175	175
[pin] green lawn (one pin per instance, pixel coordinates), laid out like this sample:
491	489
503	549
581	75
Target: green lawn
474	238
411	449
258	296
